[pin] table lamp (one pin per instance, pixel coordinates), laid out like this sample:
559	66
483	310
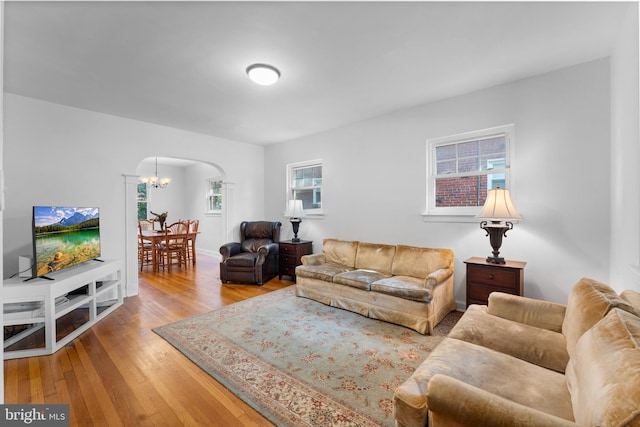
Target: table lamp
498	212
295	212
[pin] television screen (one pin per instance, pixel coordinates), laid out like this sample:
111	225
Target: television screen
63	237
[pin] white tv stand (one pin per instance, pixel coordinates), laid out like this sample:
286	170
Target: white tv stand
39	303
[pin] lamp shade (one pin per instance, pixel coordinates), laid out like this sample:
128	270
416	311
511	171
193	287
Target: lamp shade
294	209
498	206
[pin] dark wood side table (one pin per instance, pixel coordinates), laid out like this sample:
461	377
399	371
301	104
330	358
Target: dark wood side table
290	254
484	278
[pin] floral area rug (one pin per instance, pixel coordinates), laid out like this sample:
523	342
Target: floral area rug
302	363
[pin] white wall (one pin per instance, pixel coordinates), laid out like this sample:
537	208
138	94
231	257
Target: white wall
62	155
625	157
374	177
211	227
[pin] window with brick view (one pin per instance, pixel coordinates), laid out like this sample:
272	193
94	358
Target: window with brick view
462	168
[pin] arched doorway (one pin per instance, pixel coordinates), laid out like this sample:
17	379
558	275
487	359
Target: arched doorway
187	196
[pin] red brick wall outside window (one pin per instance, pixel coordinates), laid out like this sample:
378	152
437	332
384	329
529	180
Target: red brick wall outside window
463	191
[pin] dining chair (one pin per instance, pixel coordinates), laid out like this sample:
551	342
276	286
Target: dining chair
146	224
145	248
173	248
191	240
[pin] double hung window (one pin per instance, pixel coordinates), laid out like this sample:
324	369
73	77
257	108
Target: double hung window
213	196
304	182
142	201
461	168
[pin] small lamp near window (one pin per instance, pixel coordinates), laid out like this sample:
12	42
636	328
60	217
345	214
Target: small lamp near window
497	213
295	212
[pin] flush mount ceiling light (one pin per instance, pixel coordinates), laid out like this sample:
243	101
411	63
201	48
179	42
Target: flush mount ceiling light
263	74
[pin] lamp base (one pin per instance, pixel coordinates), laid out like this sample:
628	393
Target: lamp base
496	231
295	224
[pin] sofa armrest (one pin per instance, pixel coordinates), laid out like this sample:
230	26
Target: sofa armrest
454	402
265	250
230	249
313	259
529	311
632	297
437	277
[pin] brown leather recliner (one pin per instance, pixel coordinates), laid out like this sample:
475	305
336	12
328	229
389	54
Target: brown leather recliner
255	258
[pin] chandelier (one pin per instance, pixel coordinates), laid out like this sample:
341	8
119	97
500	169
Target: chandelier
154	181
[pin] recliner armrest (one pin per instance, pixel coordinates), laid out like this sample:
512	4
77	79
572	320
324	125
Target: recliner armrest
529	311
454	402
265	250
230	249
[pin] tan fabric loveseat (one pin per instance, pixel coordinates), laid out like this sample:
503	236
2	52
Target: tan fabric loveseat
405	285
525	362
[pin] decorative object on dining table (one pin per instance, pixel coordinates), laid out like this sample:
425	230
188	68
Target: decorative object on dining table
295	212
161	218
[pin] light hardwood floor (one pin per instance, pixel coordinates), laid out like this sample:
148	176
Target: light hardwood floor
120	373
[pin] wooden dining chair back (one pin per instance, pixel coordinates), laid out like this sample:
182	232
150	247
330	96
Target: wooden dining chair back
145	248
191	241
146	224
173	248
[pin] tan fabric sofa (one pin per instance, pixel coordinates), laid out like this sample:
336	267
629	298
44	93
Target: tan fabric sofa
526	362
405	285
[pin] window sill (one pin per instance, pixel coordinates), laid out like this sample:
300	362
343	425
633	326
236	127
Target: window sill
450	218
213	214
319	215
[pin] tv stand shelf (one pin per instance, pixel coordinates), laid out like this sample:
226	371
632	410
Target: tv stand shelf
88	292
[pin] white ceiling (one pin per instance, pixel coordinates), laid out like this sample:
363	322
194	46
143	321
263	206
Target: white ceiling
182	64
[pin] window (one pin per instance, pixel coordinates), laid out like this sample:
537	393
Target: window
304	182
214	196
461	168
142	201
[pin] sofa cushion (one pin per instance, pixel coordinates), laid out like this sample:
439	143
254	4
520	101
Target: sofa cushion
371	256
403	287
536	345
420	262
324	272
360	279
603	375
589	301
340	252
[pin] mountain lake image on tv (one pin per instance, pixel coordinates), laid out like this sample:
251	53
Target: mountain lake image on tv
63	237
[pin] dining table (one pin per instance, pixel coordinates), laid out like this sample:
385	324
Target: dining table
156	237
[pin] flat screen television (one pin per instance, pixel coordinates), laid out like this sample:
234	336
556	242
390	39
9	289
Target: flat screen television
64	237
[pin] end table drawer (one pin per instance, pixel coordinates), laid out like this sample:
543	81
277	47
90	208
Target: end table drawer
287	270
288	250
503	278
480	293
288	259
